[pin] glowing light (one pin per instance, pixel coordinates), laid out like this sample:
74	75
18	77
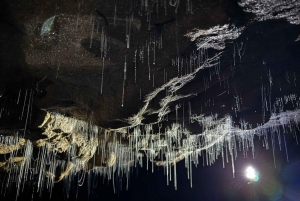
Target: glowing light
252	174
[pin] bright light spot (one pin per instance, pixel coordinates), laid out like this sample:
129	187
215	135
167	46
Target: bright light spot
252	174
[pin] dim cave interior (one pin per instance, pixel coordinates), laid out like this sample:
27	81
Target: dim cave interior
101	98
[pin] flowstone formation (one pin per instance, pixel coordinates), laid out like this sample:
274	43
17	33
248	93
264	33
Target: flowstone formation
100	88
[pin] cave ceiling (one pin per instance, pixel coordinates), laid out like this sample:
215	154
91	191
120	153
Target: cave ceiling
117	65
79	64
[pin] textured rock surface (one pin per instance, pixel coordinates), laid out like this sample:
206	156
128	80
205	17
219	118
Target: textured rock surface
199	75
